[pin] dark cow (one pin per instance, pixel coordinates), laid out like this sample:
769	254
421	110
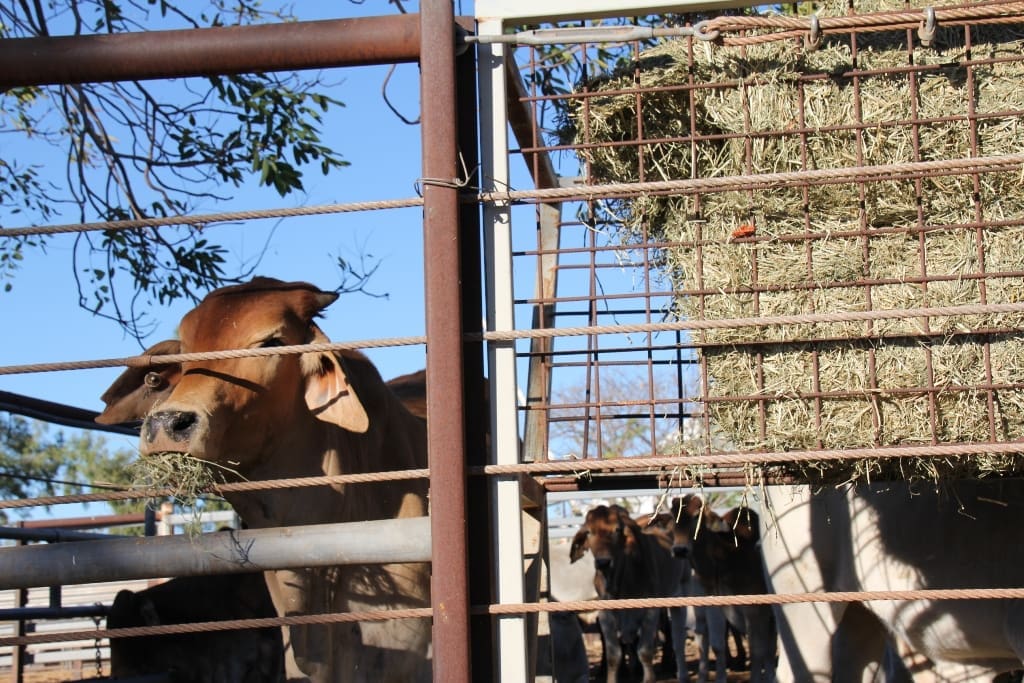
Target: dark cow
711	624
726	557
294	416
235	656
630	561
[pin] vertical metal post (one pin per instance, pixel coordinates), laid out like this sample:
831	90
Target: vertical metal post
18	653
535	429
149	521
478	500
445	381
164	526
508	535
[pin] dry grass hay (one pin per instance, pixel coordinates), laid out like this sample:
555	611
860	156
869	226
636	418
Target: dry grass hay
186	477
774	107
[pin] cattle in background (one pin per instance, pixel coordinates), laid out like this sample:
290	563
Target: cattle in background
237	656
897	536
630	562
293	416
725	554
711	626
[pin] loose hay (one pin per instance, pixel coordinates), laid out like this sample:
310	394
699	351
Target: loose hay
902	381
187	477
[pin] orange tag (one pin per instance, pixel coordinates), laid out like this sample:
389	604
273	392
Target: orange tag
745	230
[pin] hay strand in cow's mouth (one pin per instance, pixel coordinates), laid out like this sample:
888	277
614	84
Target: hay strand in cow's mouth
187	477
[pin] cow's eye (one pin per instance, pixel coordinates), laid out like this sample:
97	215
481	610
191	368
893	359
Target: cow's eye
154	380
273	341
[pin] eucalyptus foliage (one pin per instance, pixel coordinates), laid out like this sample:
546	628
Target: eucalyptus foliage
131	150
37	461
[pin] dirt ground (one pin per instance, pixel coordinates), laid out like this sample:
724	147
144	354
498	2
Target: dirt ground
592	640
665	670
53	674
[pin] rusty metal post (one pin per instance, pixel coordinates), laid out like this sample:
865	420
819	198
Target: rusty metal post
445	379
18	653
538	392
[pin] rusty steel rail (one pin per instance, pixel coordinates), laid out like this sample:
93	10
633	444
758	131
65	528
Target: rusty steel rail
209	51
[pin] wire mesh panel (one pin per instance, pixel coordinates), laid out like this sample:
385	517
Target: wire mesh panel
776	246
825	208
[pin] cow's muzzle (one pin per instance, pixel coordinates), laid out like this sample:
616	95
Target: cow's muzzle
176	425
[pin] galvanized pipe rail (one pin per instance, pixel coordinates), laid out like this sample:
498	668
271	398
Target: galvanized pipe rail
222	552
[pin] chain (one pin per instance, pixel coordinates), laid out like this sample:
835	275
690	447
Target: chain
99	652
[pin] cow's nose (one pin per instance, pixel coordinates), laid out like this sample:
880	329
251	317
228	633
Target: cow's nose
681	551
177	425
602	563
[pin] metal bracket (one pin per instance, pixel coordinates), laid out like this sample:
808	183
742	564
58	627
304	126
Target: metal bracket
926	32
813	39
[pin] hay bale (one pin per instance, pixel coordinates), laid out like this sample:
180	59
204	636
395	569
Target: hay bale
879	383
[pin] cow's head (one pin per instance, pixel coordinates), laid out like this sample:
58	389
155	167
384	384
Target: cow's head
673	531
235	410
611	536
719	534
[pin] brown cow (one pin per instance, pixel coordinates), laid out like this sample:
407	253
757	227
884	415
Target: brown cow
629	562
295	416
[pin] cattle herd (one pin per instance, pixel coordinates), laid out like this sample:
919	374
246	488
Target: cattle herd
689	551
319	413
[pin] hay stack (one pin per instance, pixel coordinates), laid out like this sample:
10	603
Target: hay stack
813	261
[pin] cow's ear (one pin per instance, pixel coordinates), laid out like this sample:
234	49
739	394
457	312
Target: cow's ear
579	545
694	504
745	524
715	523
136	391
329	395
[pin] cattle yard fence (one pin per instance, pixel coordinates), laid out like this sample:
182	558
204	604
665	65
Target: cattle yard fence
754	248
736	234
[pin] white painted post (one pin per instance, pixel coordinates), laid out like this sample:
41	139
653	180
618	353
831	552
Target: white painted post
508	533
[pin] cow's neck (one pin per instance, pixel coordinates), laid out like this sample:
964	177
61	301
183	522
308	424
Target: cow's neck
325	449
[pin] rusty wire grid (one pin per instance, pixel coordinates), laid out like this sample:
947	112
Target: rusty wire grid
643	241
